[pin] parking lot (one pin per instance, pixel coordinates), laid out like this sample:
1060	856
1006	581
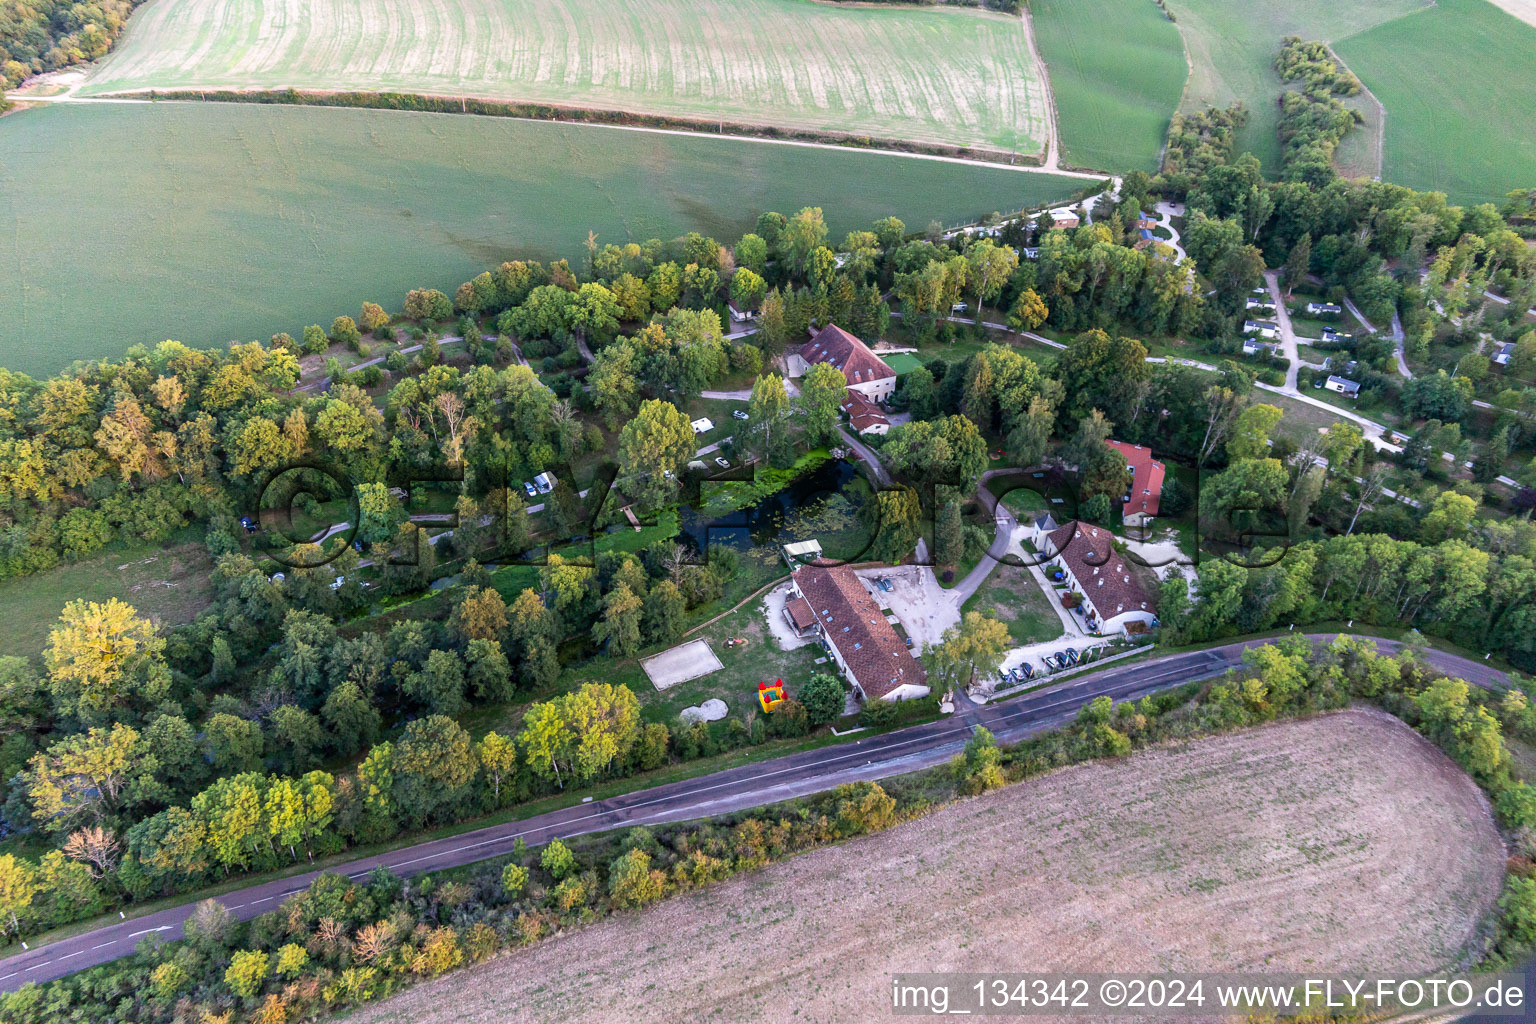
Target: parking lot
924	608
1035	655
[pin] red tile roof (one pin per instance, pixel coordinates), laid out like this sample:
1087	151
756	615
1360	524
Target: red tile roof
799	612
1100	570
1146	479
834	345
862	413
877	658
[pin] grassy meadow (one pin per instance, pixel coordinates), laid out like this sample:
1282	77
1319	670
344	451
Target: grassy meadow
1232	50
1115	91
1459	126
212	222
945	76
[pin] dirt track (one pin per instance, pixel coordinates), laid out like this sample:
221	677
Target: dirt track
1344	841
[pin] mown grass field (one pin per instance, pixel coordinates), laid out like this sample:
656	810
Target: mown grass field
1457	81
1115	90
1232	50
210	222
948	76
170	583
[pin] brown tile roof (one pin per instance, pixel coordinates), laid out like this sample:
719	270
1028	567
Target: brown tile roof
834	345
799	611
855	625
1146	479
862	413
1102	573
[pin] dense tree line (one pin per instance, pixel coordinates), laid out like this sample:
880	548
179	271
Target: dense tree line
343	942
45	35
1313	121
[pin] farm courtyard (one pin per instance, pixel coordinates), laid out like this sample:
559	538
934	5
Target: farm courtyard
1343	839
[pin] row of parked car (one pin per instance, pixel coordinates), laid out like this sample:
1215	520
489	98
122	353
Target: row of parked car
1053	663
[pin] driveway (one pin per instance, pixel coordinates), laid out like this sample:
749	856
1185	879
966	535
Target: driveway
773	608
1287	333
1165	214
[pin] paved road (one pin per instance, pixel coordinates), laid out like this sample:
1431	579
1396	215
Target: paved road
876	757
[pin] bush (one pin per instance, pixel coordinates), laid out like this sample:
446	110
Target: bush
1519	906
823	698
514	877
632	882
315	340
558	860
789	719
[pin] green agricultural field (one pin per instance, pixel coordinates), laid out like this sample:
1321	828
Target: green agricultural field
1458	82
207	222
1232	48
1115	90
945	76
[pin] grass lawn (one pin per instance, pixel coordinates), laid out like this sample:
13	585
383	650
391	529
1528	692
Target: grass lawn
299	214
1232	50
948	76
718	411
743	667
1114	90
1012	596
902	362
1465	128
1300	421
167	582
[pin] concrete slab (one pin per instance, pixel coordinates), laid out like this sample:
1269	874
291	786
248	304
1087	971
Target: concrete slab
773	608
711	710
680	664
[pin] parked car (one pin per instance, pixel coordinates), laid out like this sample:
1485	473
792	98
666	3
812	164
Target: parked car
722	463
909	642
958	307
1026	670
533	492
738	414
884	584
248	523
1071	655
337	583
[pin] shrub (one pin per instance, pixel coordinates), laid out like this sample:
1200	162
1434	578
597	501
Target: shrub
1519	906
291	960
632	882
247	970
822	696
514	877
344	330
558	860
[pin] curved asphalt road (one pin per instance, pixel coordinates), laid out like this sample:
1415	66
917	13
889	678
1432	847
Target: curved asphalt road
876	757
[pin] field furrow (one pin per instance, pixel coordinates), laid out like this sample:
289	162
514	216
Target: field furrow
937	76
